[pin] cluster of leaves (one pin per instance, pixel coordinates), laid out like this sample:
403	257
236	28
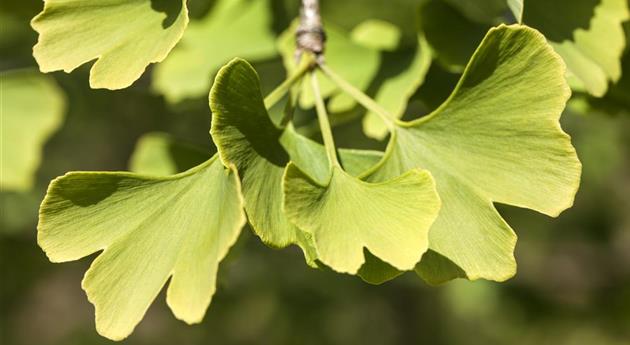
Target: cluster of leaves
424	204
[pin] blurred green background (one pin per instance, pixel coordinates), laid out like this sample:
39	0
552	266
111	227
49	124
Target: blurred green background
572	285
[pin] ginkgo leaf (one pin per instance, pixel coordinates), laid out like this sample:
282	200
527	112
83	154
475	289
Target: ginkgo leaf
123	36
617	99
232	28
591	40
247	138
160	154
375	271
310	156
344	215
376	34
434	269
150	229
356	63
496	139
404	72
32	109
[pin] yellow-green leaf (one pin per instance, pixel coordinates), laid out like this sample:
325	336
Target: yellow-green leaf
404	71
496	139
591	39
377	34
248	139
233	28
123	36
150	229
32	108
344	215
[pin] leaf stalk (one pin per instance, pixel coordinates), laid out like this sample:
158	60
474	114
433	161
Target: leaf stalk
279	92
363	99
324	124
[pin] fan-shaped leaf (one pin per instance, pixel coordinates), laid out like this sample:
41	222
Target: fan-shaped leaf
496	139
247	138
345	215
617	99
124	36
149	229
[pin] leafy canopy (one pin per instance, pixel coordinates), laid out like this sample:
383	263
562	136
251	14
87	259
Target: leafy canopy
427	203
149	229
123	36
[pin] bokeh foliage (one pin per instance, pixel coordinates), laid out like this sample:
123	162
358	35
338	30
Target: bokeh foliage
573	284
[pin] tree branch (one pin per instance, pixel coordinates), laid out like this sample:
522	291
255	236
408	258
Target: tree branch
310	35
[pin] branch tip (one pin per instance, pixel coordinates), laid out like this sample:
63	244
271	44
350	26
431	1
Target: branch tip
310	35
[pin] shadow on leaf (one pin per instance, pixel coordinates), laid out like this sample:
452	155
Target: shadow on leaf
552	19
172	9
83	190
